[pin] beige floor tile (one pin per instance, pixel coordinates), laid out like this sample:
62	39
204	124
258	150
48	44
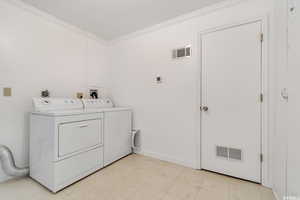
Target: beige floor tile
138	177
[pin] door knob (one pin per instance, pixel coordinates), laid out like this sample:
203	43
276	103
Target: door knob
284	94
205	108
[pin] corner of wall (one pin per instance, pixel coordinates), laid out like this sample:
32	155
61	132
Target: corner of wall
166	158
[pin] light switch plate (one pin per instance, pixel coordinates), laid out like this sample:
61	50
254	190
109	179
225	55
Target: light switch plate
7	92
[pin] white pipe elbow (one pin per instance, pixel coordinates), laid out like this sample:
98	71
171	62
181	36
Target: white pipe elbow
8	163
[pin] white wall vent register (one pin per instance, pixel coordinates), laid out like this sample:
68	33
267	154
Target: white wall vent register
182	52
222	151
228	153
235	154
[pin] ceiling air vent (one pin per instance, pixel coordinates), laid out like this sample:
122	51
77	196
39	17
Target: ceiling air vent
182	52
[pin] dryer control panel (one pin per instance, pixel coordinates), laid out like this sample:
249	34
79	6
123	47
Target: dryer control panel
51	104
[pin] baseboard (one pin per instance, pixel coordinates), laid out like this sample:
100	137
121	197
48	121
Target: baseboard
275	194
4	178
165	158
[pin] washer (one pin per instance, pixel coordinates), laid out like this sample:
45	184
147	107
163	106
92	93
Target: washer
118	139
66	142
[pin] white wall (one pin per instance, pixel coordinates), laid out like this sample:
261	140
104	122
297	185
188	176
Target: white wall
279	139
39	52
293	161
286	164
168	113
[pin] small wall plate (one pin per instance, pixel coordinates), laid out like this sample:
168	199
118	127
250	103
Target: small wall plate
158	79
94	94
7	92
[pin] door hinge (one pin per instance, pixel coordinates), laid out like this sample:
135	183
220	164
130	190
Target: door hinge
292	7
261	157
261	97
261	37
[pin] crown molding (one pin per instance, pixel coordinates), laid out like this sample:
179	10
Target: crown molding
46	16
179	19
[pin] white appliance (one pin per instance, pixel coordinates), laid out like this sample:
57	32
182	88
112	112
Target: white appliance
117	128
70	139
66	142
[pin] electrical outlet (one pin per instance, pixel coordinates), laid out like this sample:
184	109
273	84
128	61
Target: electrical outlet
7	92
94	93
79	95
158	79
45	93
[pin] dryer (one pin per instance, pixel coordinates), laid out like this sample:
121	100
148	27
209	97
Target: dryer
66	142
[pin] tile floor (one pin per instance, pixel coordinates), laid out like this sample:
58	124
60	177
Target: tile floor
142	178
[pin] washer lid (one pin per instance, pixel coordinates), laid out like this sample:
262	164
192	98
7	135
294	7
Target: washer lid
56	104
97	103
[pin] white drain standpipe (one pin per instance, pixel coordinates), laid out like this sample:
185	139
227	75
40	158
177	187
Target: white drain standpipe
8	163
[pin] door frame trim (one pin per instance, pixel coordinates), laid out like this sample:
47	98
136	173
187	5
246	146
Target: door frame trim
265	136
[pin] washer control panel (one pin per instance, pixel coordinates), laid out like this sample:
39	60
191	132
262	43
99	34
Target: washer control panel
97	103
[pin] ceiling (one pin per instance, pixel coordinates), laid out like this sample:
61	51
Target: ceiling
110	19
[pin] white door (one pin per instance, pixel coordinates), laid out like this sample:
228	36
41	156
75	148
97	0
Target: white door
231	101
117	135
